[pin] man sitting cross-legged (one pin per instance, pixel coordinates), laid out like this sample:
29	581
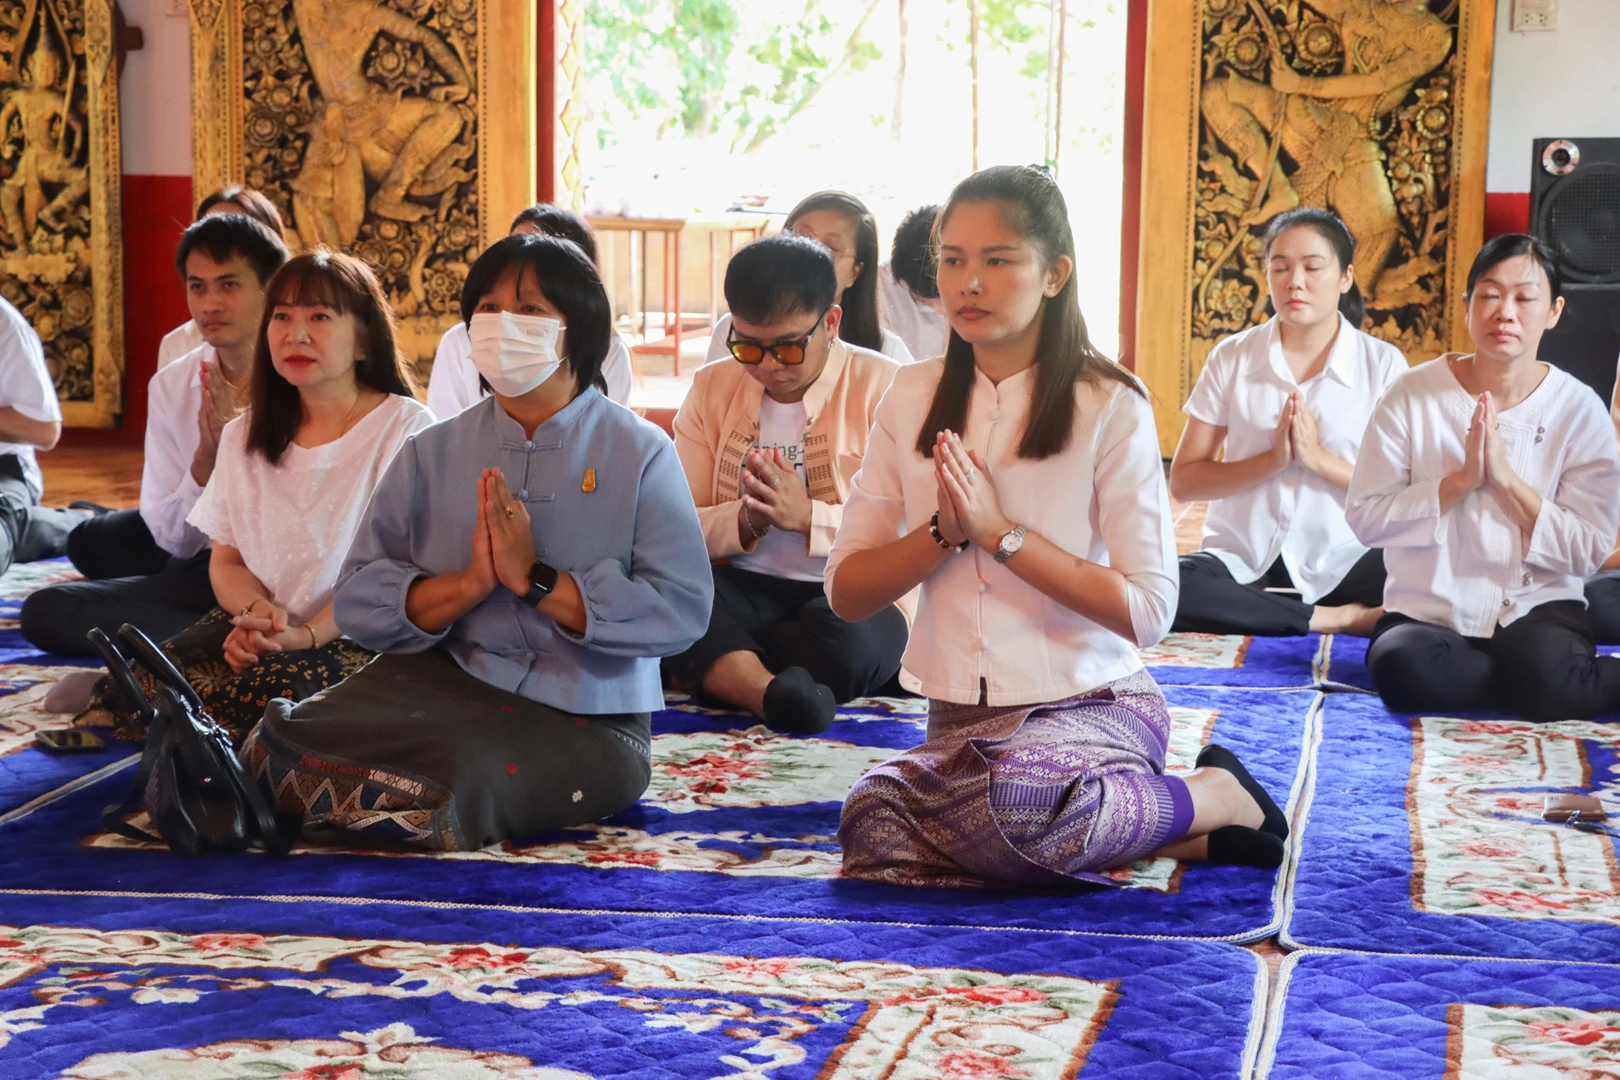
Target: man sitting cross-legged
769	438
148	566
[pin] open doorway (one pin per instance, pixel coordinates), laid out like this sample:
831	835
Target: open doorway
687	109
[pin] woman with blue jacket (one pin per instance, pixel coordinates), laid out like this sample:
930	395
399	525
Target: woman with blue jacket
521	568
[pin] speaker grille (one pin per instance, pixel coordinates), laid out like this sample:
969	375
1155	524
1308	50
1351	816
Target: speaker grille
1581	220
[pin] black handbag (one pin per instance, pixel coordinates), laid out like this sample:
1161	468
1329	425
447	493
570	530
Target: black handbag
190	782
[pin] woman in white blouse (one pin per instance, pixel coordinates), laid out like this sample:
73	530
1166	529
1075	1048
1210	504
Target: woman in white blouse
846	228
1288	400
329	404
1492	482
1017	481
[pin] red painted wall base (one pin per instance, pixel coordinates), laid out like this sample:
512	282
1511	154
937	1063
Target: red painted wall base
156	211
1506	212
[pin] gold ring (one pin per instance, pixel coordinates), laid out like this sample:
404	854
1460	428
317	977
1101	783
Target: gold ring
509	511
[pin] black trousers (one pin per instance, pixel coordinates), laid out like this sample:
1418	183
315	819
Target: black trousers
115	545
1543	666
1603	606
28	531
56	619
790	624
1213	603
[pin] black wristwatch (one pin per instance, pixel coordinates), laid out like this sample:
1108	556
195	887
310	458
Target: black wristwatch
542	579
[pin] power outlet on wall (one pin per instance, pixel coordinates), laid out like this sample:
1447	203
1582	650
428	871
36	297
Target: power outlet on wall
1535	15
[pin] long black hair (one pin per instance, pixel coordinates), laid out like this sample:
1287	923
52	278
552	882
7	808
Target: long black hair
1032	205
860	324
1327	225
568	278
344	284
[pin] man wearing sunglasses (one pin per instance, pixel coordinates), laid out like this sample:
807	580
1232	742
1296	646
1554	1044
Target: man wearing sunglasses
770	437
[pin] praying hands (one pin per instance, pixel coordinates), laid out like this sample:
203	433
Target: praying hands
773	495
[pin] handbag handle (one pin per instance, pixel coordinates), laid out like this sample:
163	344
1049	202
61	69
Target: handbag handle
123	675
158	663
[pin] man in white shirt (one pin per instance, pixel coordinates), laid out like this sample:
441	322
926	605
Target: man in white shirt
231	199
148	566
453	384
908	294
30	419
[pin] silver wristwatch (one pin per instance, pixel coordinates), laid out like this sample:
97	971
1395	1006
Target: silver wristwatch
1012	542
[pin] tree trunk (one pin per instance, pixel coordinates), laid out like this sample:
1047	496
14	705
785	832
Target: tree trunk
973	60
896	118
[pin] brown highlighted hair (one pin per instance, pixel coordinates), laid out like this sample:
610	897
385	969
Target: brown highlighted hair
1032	205
253	203
346	285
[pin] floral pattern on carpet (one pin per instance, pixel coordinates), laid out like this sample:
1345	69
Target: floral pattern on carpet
756	767
896	1019
22	579
21	714
1508	1042
1215	651
395	1052
1479	845
749	769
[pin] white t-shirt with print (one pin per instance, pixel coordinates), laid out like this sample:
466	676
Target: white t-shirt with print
293	522
781	553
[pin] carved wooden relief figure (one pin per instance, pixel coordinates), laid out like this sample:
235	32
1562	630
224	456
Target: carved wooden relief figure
60	256
369	123
1372	108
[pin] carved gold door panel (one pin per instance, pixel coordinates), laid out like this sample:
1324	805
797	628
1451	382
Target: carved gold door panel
1376	109
61	250
402	131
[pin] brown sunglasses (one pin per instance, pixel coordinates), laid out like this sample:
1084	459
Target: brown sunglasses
787	353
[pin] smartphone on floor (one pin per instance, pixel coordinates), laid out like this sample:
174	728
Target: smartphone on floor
69	741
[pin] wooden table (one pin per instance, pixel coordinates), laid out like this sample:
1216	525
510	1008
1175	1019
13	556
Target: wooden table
677	327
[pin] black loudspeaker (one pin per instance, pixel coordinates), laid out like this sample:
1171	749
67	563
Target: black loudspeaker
1575	208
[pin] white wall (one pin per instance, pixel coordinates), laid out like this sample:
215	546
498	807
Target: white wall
1552	84
155	92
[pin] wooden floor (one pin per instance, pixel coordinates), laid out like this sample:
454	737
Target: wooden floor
109	477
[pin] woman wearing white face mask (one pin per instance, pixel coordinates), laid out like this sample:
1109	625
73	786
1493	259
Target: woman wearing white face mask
522	567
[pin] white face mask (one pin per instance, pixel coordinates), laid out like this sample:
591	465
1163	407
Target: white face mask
514	353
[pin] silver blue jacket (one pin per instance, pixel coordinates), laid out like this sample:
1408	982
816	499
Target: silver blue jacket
631	541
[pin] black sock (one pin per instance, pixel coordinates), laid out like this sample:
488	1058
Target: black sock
1219	757
796	702
1238	845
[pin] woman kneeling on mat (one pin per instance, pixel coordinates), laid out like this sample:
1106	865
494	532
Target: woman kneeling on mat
1492	482
1289	400
329	404
523	566
1018	481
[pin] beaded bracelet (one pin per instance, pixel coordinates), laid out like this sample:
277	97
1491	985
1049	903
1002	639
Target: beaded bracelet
939	537
749	518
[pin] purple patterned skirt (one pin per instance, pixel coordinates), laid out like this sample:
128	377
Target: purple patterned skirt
1026	795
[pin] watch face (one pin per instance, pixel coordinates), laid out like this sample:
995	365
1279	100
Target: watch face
1012	541
543	577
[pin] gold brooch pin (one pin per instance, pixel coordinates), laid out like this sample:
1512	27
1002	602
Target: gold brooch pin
588	484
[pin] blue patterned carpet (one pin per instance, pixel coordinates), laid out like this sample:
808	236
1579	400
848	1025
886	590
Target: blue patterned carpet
705	933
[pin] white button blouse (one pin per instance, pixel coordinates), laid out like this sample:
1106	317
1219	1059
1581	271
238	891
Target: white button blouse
1102	498
1296	515
1469	568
